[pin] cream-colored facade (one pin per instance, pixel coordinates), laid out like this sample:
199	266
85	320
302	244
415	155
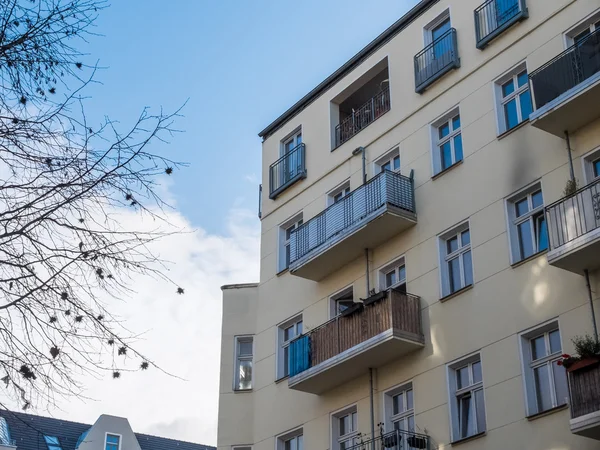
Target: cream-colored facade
488	317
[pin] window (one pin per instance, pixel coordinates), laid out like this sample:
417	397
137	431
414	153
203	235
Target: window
399	409
287	332
447	141
291	143
393	275
467	407
345	428
341	301
285	234
513	99
437	32
582	31
390	161
455	259
545	381
591	165
243	363
528	232
112	441
338	193
54	444
293	440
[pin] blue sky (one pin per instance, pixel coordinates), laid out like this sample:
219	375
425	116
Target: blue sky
240	63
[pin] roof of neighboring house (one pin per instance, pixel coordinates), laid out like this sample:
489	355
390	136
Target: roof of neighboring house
28	431
356	60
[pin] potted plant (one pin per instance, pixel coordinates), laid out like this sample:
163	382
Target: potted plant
588	353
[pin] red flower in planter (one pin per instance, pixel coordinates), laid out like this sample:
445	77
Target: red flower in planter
565	355
559	362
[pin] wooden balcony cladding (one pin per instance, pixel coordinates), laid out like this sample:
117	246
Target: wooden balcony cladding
398	312
584	385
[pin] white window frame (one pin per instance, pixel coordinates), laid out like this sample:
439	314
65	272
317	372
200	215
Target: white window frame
528	365
239	358
343	189
531	216
445	258
295	137
336	438
335	297
388	158
388	404
588	161
436	142
455	394
284	243
297	434
500	100
428	29
394	265
590	22
282	344
107	433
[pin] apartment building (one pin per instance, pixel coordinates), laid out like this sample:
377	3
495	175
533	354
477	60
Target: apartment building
430	243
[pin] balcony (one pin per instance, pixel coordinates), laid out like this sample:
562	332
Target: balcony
435	60
494	17
394	440
367	217
387	326
574	230
288	169
566	90
584	395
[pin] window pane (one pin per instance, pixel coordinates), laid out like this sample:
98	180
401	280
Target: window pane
387	166
522	78
510	114
536	199
465	238
299	328
454	275
396	162
480	410
477	372
596	165
541	232
468	267
300	440
456	123
354	421
299	139
402	273
462	377
452	244
245	348
542	388
245	375
411	423
398	403
439	31
538	348
582	36
525	239
446	155
508	88
526	107
343	425
409	399
111	439
458	148
444	130
466	424
555	346
288	333
390	278
560	384
286	362
522	207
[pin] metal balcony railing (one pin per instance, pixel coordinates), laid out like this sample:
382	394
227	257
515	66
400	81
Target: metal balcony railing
387	310
288	169
386	188
364	116
436	59
567	70
574	216
394	440
495	16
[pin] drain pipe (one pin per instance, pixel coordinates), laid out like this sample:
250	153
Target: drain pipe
372	405
362	150
591	300
570	156
367	274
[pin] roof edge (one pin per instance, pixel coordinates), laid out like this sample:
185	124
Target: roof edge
238	286
350	65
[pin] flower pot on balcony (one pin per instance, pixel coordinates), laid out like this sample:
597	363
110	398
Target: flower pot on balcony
390	441
417	442
583	363
375	298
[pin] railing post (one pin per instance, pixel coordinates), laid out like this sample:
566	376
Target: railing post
337	332
372	109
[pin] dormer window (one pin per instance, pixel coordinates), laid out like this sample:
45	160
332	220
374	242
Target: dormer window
112	441
52	442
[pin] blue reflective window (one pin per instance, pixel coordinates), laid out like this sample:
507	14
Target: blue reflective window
508	88
52	442
542	233
458	148
456	123
446	155
522	78
444	130
510	114
596	165
526	107
112	442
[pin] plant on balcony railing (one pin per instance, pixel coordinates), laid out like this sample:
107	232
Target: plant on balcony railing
567	70
393	440
436	59
362	117
495	16
387	188
288	169
587	350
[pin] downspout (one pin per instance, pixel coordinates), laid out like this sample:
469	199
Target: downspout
367	274
372	404
362	150
570	156
591	300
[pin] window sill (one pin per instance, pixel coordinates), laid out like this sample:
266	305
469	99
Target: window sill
279	380
507	132
455	294
467	439
530	258
547	412
242	391
447	169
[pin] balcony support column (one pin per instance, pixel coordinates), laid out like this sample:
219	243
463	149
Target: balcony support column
591	300
570	156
